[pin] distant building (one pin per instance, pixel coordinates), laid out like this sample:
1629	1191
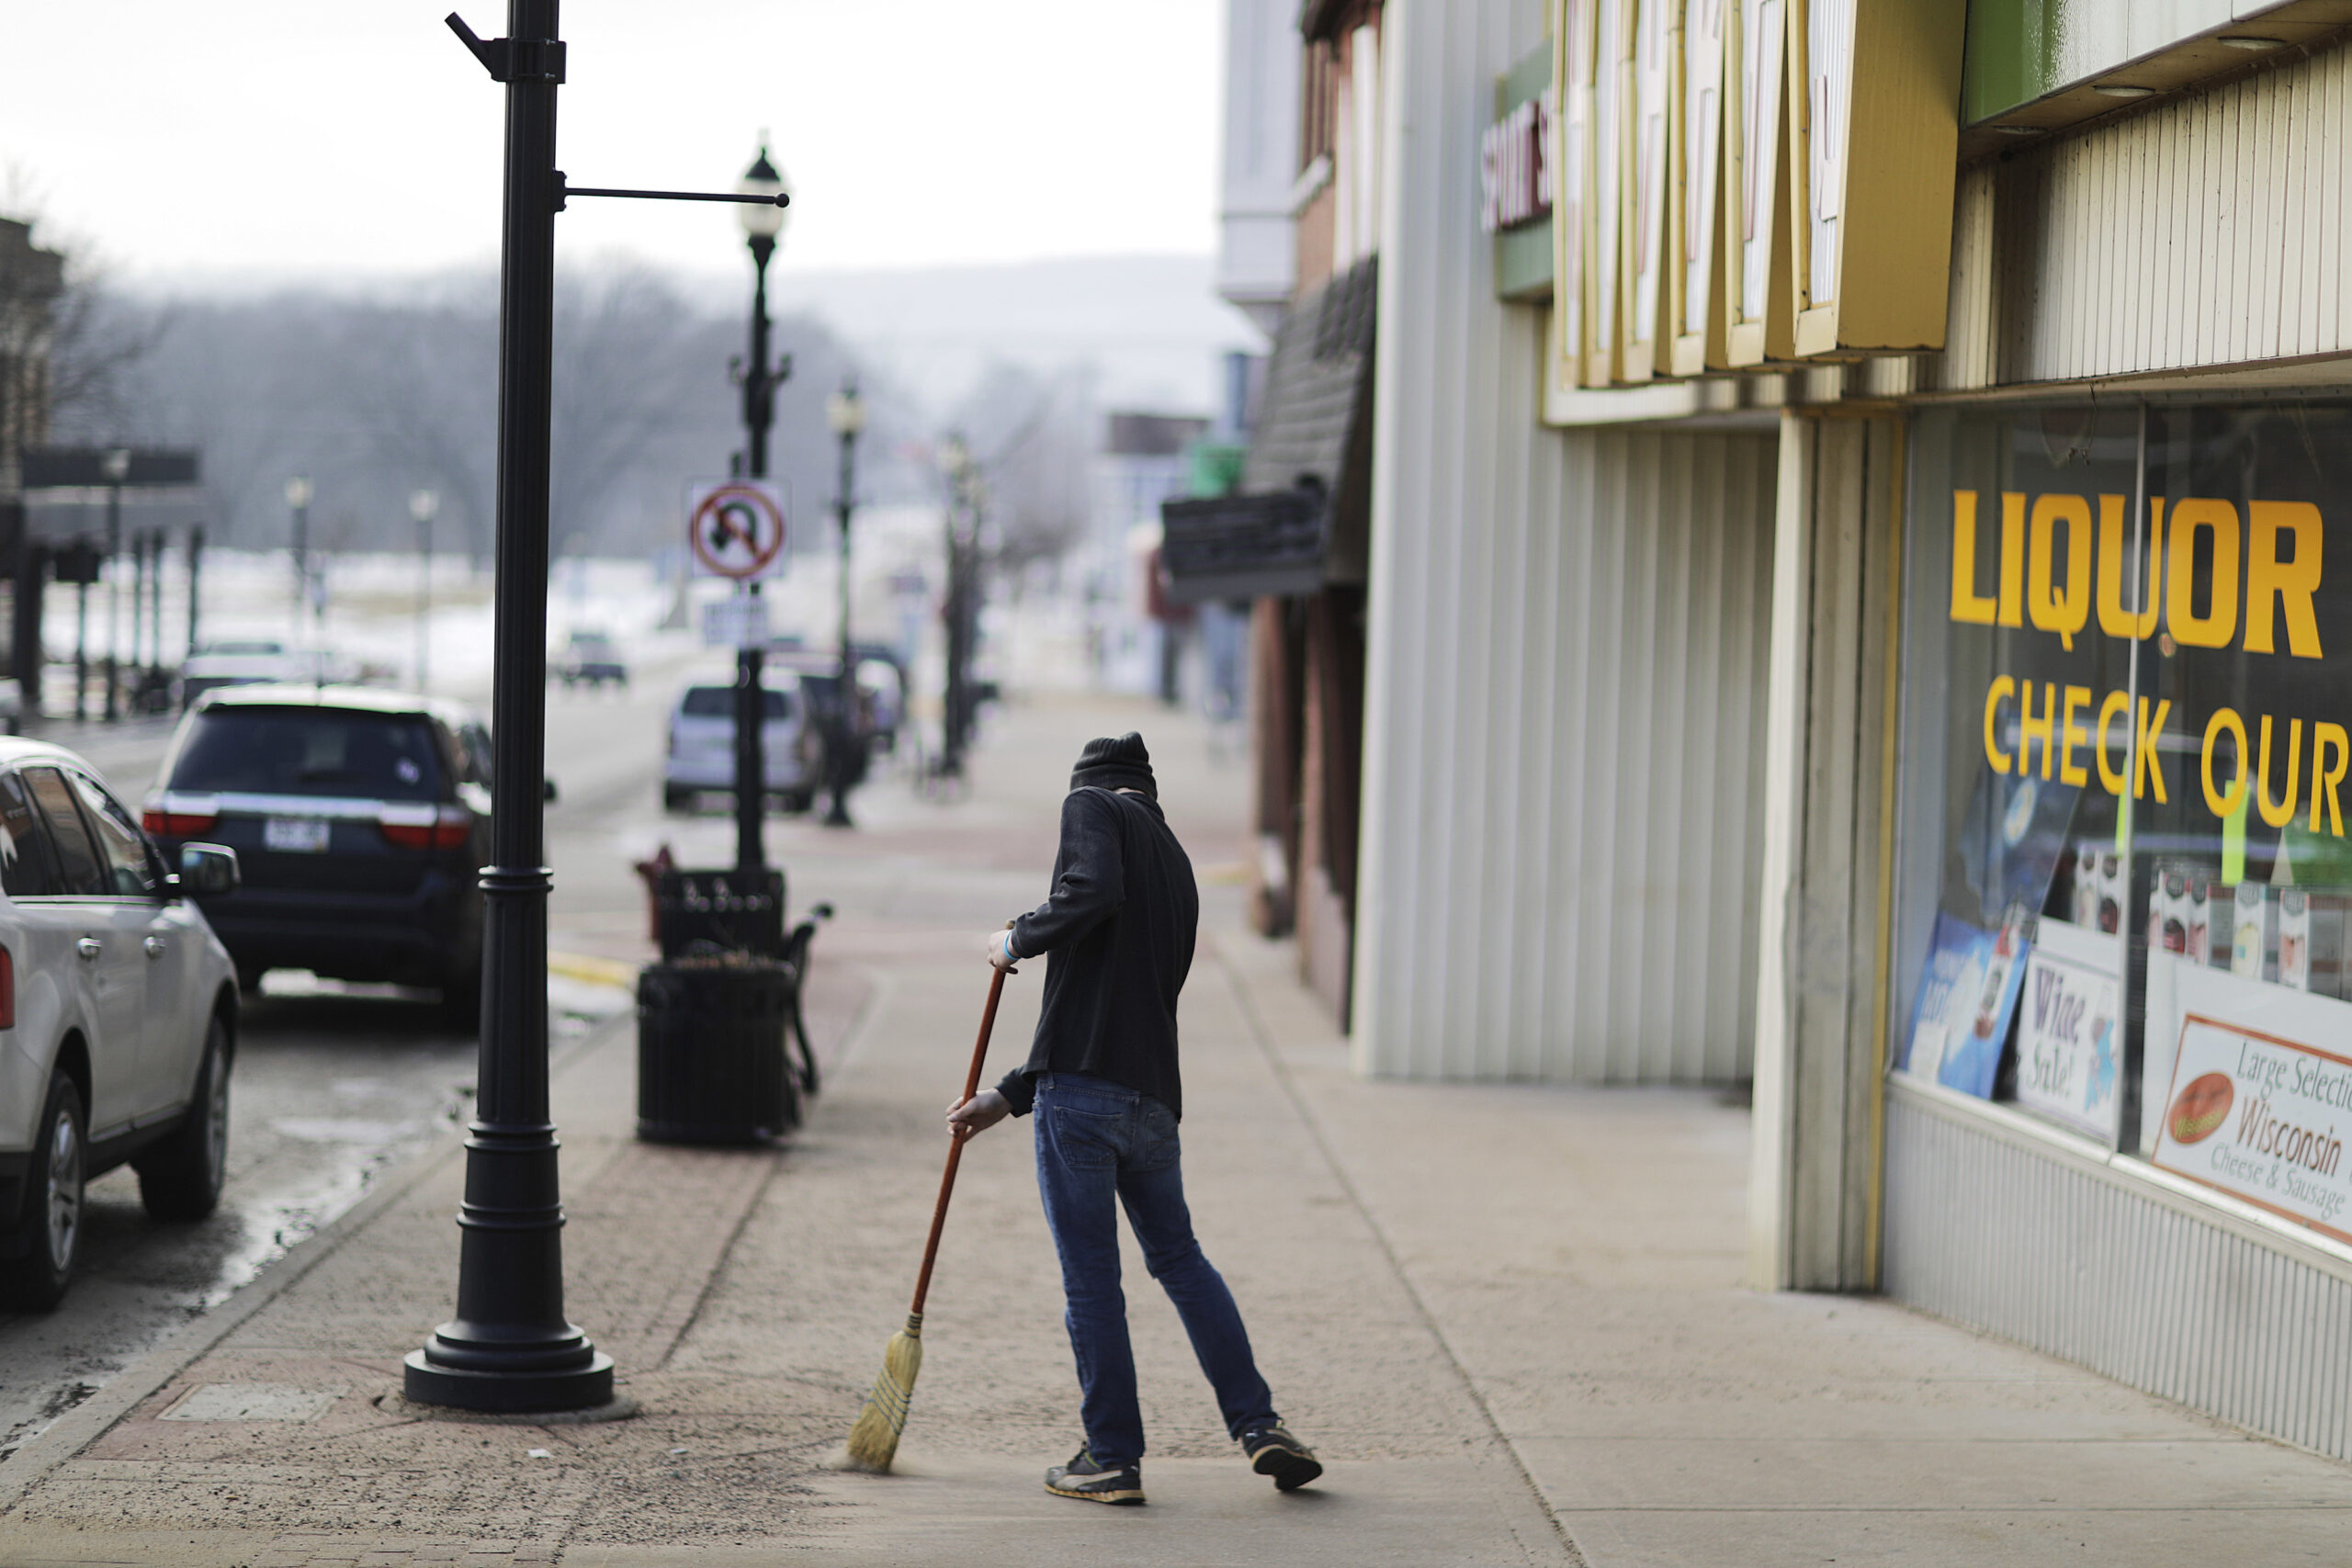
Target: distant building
1292	538
1258	172
1144	459
30	281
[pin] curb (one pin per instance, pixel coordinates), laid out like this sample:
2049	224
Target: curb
594	971
65	1438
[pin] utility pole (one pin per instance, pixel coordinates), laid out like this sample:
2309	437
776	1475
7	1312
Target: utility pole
845	411
138	604
117	465
195	571
82	551
422	506
297	501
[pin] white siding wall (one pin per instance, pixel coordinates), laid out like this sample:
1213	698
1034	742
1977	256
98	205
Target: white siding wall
2208	231
2000	1224
1562	714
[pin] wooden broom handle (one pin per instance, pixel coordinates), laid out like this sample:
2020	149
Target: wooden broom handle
955	1144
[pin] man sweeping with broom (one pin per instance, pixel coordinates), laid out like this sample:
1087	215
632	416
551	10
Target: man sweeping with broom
1101	1078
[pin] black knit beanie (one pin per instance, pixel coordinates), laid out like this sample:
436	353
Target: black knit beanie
1123	763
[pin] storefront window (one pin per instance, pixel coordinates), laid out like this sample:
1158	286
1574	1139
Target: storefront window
2124	892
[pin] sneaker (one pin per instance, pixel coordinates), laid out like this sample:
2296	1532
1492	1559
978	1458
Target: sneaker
1081	1477
1274	1451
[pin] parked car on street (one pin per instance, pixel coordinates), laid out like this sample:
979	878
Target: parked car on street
117	1016
590	657
701	754
253	660
361	818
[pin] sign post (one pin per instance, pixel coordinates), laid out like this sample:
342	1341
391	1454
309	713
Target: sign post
735	529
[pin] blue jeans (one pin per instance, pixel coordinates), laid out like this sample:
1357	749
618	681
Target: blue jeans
1098	1142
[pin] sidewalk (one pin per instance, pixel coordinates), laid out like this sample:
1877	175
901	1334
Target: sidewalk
1509	1316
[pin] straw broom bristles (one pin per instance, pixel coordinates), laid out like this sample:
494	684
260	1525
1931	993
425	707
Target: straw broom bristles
874	1441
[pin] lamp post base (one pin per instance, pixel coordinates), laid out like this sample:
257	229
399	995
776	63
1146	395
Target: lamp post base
500	1392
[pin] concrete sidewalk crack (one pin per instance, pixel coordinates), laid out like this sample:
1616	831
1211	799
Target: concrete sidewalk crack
1248	1001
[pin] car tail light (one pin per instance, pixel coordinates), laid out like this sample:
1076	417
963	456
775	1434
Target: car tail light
179	815
178	824
7	989
423	828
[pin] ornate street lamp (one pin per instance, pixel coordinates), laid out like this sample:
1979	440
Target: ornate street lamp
845	413
763	227
510	1347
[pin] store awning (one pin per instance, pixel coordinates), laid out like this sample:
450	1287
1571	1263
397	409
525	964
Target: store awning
1299	521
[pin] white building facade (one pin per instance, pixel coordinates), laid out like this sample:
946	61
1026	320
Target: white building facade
1856	616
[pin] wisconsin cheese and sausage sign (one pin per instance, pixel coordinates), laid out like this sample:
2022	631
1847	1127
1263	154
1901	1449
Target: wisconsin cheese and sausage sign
2263	1118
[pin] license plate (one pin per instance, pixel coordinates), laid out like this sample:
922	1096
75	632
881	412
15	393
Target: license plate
295	835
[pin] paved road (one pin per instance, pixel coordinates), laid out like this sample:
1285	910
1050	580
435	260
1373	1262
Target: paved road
335	1085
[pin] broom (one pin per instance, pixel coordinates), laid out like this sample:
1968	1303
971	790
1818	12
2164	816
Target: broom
874	1441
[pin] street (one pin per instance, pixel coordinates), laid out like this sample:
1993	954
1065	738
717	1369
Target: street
335	1084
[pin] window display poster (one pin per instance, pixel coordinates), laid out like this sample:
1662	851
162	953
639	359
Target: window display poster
2008	846
1966	1000
2259	1115
2069	1029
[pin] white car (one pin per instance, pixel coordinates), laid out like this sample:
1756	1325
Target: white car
252	660
117	1016
701	754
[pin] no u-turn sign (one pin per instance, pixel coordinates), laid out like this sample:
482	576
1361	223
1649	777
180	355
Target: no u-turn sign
735	528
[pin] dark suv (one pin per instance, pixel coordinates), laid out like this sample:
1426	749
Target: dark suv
360	818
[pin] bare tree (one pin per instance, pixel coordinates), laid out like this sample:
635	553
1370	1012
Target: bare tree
1033	433
373	399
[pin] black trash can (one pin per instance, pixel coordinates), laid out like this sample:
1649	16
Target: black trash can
711	1044
698	912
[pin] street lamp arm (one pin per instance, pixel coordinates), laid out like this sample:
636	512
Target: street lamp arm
781	199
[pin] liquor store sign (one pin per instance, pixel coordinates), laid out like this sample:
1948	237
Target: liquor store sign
2262	1117
2203	574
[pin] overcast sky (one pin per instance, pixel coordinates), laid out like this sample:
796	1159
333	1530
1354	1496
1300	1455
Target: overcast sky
189	138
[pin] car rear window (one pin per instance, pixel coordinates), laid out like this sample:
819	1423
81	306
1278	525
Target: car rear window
718	702
27	862
329	751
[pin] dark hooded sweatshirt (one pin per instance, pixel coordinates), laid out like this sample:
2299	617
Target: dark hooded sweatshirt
1118	930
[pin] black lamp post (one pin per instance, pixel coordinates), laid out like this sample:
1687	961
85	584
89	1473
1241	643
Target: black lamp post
762	225
963	531
510	1347
195	579
423	505
845	411
298	502
116	465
